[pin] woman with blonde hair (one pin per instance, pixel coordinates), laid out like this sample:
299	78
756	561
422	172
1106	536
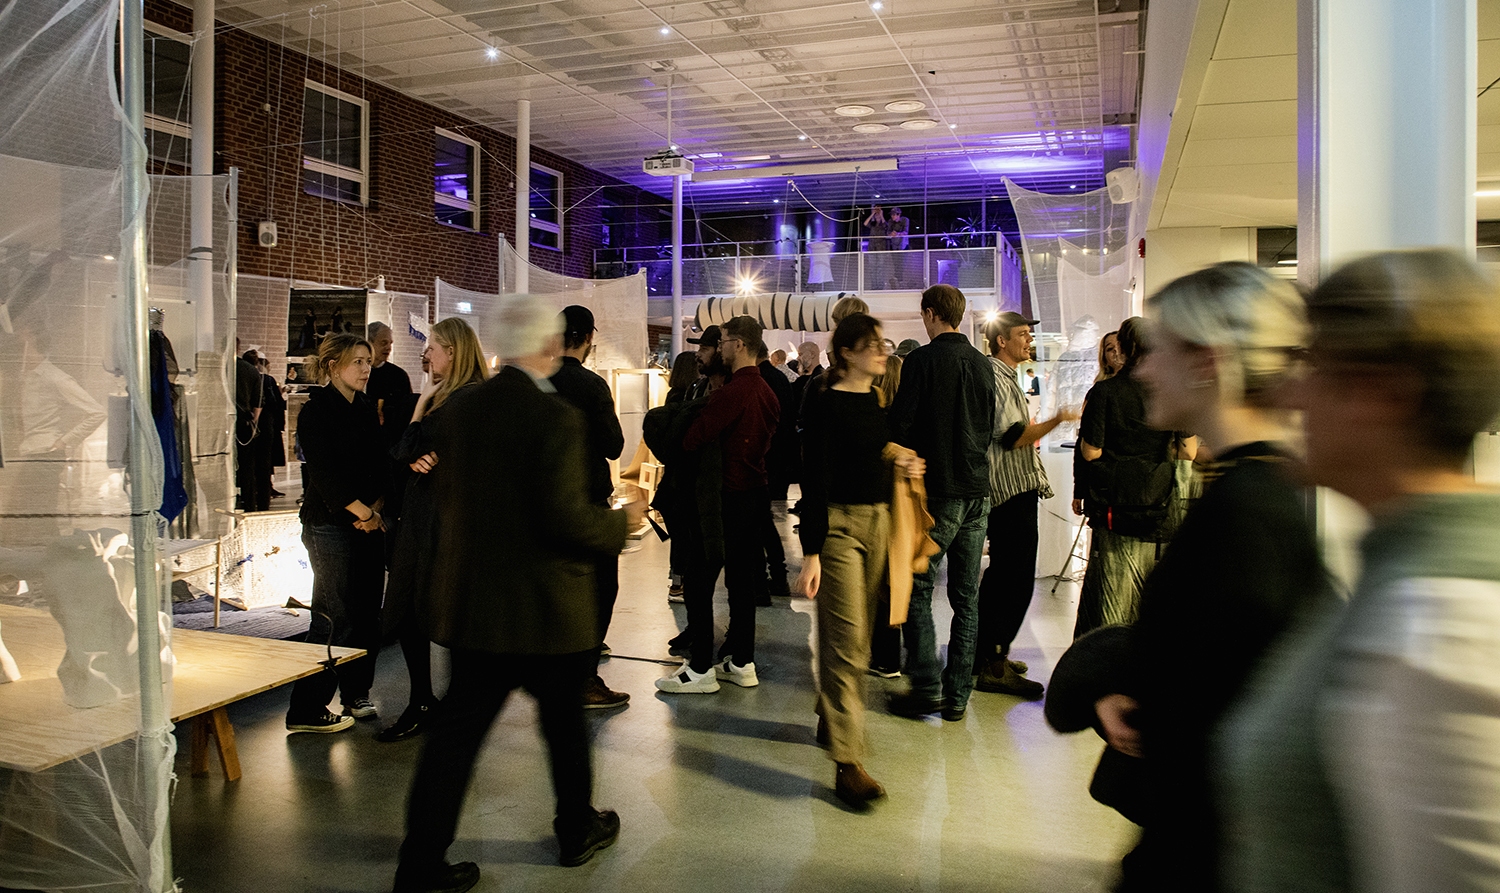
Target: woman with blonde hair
454	360
343	475
1224	343
846	490
1366	753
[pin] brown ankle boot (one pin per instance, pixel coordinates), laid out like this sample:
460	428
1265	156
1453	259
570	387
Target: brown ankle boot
853	785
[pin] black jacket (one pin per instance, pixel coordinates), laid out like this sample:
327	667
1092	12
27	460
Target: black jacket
345	455
590	395
945	410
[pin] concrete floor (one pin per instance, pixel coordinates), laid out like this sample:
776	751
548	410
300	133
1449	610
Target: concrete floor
722	792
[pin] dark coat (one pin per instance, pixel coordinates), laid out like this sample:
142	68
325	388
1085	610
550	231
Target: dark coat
590	395
691	494
781	457
514	572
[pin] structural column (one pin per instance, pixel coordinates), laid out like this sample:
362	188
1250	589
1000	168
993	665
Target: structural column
676	267
201	117
1386	153
523	194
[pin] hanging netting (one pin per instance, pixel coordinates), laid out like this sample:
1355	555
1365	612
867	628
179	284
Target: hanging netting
111	437
618	305
1077	259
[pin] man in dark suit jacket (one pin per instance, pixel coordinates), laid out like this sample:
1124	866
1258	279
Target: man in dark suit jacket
513	595
778	475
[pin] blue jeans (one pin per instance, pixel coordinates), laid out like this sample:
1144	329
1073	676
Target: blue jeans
348	583
959	534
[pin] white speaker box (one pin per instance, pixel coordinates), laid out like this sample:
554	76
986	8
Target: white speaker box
267	231
1124	185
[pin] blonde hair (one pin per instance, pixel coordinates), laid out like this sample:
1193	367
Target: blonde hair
335	351
890	381
847	307
1257	321
468	366
1432	314
1104	370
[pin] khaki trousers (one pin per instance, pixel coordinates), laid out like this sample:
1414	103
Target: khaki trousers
853	566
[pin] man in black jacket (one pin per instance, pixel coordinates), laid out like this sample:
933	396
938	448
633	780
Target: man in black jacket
604	441
778	475
945	410
512	595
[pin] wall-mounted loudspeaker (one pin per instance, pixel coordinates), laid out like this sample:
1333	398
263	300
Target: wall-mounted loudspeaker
267	234
1124	185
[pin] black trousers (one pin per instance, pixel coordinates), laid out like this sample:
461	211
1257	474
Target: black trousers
607	578
480	684
1006	587
253	475
746	514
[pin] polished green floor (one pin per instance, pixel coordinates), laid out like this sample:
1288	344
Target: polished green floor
721	792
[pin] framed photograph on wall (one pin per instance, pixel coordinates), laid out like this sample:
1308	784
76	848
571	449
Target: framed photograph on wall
315	313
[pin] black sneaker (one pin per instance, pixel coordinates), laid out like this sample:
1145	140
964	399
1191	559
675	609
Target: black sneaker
412	722
327	722
446	879
577	845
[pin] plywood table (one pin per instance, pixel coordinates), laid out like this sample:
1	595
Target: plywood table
40	730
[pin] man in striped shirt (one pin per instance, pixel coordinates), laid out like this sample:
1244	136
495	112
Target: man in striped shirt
1018	483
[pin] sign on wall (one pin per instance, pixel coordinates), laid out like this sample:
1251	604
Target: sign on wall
317	313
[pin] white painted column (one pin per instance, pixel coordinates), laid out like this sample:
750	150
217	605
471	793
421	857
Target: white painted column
676	266
201	226
1386	153
523	194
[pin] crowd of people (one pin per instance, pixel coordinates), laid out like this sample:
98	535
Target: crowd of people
1268	730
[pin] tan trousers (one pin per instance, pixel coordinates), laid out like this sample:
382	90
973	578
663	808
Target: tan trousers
853	565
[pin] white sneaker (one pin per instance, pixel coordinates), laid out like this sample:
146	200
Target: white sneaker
744	676
684	681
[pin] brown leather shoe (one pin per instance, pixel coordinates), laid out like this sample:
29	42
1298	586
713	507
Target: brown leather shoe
1008	682
853	785
598	696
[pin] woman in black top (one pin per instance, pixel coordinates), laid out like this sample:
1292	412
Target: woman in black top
343	479
1244	560
845	529
454	360
1127	483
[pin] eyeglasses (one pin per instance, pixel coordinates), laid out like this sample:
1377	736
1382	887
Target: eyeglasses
723	341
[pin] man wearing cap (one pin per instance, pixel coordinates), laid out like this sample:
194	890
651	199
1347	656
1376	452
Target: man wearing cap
945	410
906	347
603	441
739	418
1018	483
711	367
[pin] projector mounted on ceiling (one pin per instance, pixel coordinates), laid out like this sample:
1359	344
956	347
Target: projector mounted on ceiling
667	164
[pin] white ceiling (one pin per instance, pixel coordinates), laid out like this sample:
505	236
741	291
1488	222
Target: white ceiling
1231	159
1028	86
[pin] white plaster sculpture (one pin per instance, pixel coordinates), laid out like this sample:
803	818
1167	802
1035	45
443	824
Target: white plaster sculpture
91	578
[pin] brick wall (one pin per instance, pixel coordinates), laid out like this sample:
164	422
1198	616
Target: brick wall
258	127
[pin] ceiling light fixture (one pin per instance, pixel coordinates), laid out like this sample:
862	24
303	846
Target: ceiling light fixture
666	31
876	5
797	170
1487	193
919	124
903	106
801	136
952	126
854	111
870	128
491	53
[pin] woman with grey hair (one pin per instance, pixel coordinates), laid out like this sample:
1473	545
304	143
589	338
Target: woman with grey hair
1366	754
1224	340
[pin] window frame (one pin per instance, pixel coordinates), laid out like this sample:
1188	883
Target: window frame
317	165
533	223
448	201
174	128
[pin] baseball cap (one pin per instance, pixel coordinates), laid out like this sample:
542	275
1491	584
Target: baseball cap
906	347
710	336
577	320
1011	319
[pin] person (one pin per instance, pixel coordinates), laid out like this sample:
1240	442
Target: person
604	441
1111	361
1363	754
808	367
778	359
272	425
454	360
513	594
250	456
945	410
885	640
906	346
1225	341
898	231
778	476
1128	476
390	386
712	372
344	476
845	534
1018	484
684	374
739	419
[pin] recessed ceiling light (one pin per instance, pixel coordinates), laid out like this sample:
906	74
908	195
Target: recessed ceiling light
870	128
854	111
491	53
666	31
876	5
919	124
952	126
801	136
775	201
902	106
